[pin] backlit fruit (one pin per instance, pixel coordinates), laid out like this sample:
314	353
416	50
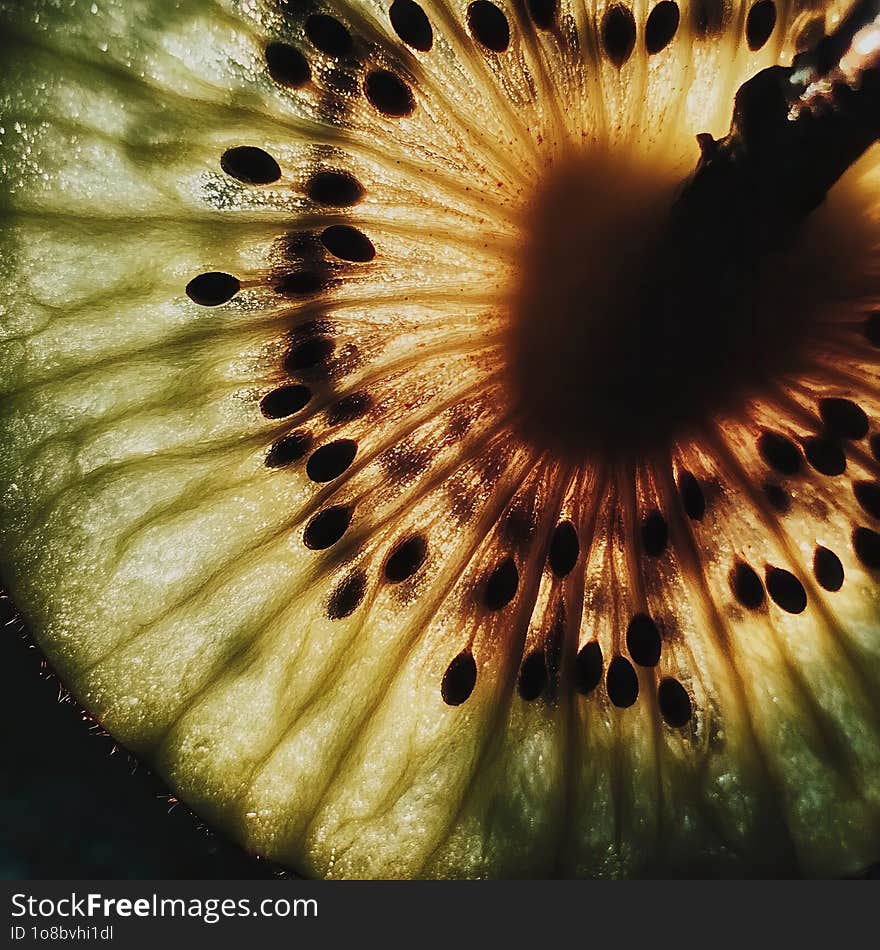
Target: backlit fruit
359	475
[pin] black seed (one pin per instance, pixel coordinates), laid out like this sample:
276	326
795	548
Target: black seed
760	24
501	585
389	94
692	498
211	290
709	17
285	401
347	597
746	586
655	534
622	683
349	408
327	527
412	25
334	189
868	496
329	35
406	558
532	676
825	455
866	544
287	65
564	549
588	667
643	640
843	418
777	496
674	702
331	460
303	283
779	452
662	26
251	165
291	448
348	244
786	590
872	329
544	13
874	442
309	354
828	569
489	26
459	679
618	34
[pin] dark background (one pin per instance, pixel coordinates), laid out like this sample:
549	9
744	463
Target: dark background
73	807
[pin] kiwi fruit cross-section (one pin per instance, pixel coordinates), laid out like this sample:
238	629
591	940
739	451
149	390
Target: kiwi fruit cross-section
355	477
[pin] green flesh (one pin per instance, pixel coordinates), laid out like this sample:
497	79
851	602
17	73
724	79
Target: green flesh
161	566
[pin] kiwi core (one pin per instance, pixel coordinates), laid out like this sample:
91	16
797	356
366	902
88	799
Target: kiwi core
623	333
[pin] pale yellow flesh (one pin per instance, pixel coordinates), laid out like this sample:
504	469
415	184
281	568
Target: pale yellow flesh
161	566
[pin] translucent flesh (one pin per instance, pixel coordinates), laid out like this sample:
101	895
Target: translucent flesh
161	565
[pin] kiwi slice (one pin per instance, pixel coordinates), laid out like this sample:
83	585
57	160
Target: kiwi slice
351	478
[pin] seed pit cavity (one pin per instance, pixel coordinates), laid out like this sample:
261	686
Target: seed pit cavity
779	452
327	527
746	586
709	17
868	496
655	534
532	676
329	35
874	442
405	559
825	455
643	640
412	25
213	289
309	354
543	13
489	26
843	418
250	165
828	569
866	544
287	65
588	668
501	585
303	283
618	34
331	460
349	408
347	597
564	549
786	590
760	24
662	26
777	496
389	94
674	702
459	679
692	499
334	189
872	329
622	683
285	401
289	449
348	244
810	35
